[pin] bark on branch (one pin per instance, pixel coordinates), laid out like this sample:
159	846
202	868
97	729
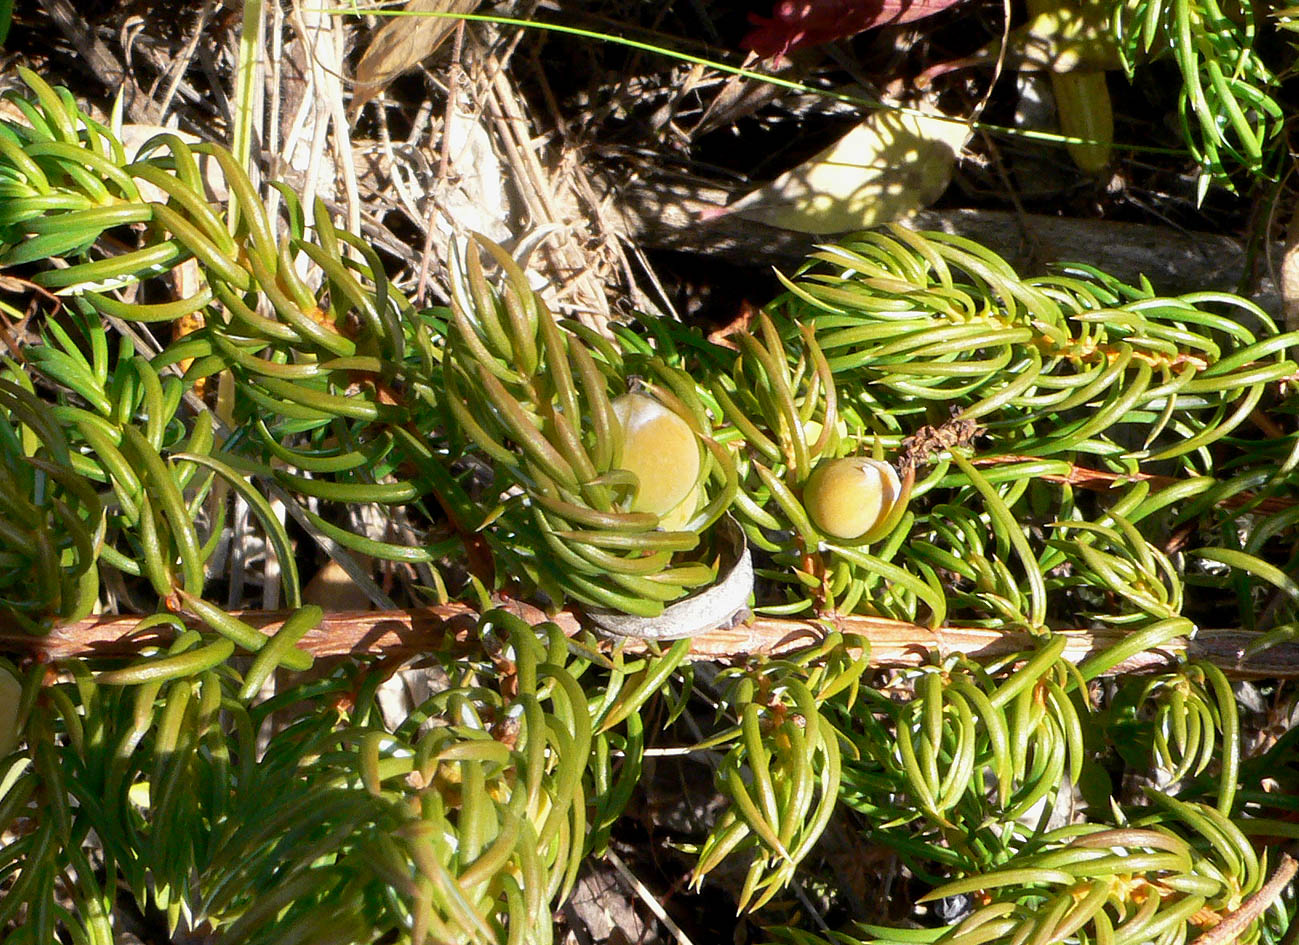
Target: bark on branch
408	633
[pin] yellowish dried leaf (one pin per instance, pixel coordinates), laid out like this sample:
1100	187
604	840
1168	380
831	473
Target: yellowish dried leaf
403	43
11	692
1289	278
333	589
889	166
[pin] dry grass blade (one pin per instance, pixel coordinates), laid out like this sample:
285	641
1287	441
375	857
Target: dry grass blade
547	198
647	898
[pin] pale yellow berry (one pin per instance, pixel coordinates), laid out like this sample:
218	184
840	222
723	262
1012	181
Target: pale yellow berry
661	449
675	519
812	430
848	497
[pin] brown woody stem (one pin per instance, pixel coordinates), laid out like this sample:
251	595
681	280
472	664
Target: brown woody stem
1234	924
397	633
1097	480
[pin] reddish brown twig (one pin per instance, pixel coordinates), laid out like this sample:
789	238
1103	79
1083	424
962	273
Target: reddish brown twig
1096	480
398	633
1234	924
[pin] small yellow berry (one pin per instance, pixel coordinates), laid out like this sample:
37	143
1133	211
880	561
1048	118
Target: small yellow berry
661	449
848	497
675	519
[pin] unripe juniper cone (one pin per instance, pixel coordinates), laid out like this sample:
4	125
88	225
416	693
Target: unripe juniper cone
663	452
848	497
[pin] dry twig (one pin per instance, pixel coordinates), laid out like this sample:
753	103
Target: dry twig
1233	925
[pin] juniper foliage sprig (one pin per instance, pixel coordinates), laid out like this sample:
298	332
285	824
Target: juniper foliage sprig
462	821
1181	867
1228	108
488	425
515	375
